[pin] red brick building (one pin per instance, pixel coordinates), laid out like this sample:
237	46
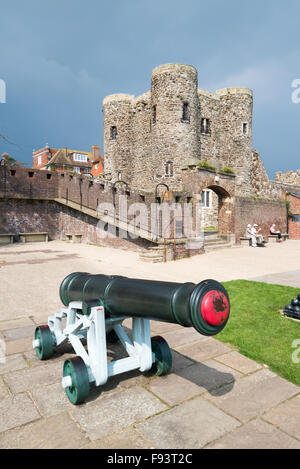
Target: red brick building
294	208
64	159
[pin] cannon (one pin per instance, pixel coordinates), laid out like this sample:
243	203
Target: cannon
95	307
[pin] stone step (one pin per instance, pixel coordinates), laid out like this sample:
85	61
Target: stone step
214	247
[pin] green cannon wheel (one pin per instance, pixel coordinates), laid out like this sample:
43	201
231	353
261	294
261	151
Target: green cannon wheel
79	390
163	356
45	348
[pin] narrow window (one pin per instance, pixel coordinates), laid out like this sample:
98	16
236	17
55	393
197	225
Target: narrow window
205	126
245	128
169	168
185	112
154	114
113	133
49	176
205	198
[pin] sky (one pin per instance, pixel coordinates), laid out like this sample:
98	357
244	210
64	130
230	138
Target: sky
59	59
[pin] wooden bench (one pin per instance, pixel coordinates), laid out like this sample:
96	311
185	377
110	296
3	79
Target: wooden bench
274	238
34	237
245	241
74	238
6	238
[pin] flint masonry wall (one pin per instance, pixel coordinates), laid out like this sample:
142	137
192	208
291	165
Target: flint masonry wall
156	137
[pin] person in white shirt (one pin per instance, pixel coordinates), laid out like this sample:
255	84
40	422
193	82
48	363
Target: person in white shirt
250	235
255	232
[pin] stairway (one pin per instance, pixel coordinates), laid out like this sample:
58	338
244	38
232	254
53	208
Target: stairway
214	241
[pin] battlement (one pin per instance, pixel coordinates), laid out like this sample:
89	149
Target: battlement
234	91
290	177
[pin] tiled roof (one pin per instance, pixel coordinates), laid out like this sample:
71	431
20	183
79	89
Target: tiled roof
60	158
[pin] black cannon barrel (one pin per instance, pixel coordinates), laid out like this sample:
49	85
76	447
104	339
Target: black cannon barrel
204	306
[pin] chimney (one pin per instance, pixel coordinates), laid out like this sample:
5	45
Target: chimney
95	152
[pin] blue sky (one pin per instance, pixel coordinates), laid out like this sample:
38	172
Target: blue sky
59	59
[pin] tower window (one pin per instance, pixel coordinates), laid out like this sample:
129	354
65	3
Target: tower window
169	168
113	133
185	112
245	128
205	126
154	114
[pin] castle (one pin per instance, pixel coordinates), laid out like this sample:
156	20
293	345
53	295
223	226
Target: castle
174	143
150	139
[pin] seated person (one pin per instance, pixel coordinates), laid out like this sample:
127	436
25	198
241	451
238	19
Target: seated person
259	238
249	234
273	231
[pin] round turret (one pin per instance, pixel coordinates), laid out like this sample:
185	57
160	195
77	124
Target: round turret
117	136
174	120
236	134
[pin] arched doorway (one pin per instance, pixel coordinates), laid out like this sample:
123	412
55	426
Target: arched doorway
217	210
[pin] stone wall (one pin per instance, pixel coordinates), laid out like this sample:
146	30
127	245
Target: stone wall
262	186
290	177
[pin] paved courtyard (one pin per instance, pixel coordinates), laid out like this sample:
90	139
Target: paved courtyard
213	398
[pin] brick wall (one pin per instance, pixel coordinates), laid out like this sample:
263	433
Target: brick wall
23	216
294	226
261	211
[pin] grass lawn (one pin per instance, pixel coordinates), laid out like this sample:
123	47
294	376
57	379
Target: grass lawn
257	328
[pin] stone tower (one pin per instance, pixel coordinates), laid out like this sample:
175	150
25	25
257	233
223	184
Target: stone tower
174	121
117	116
235	134
148	139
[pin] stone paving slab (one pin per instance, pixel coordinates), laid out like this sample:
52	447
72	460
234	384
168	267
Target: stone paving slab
17	323
290	278
27	379
16	411
18	346
253	395
286	416
188	426
204	349
114	412
19	333
180	361
211	375
13	363
59	432
256	434
125	439
239	362
51	399
4	392
192	381
163	327
183	336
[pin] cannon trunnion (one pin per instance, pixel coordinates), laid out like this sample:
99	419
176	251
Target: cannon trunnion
95	307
